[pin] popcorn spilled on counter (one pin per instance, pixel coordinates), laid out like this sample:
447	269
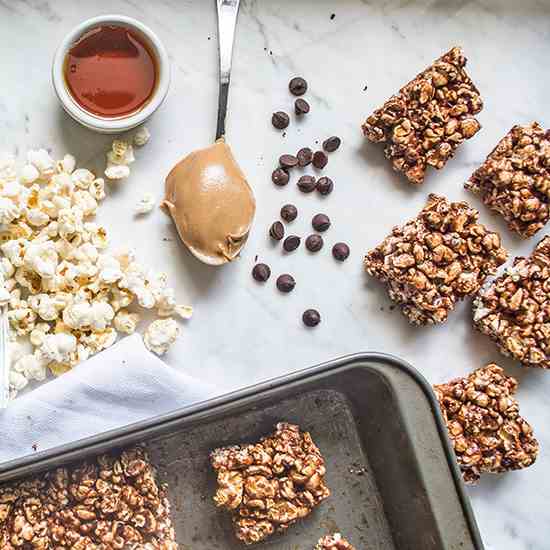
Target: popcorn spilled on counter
66	296
160	335
146	204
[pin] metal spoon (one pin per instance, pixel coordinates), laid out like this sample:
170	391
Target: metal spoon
227	21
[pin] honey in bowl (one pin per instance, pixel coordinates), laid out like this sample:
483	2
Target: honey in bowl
110	72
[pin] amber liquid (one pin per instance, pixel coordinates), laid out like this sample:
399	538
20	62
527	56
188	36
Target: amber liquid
110	72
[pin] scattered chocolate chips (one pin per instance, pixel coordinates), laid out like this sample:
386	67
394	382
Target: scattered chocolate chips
304	156
261	272
280	177
320	159
289	212
331	144
320	222
314	243
325	185
277	231
301	107
280	120
297	86
306	183
288	161
291	243
311	318
286	283
340	251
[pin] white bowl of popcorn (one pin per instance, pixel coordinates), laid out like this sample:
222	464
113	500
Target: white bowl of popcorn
70	70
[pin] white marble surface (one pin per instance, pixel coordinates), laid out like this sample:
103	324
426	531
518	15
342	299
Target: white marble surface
243	332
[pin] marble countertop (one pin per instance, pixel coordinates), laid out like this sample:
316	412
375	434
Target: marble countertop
242	332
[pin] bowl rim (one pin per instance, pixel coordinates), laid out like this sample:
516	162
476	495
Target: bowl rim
95	122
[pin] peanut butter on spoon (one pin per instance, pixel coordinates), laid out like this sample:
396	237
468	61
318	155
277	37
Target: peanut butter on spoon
211	203
207	194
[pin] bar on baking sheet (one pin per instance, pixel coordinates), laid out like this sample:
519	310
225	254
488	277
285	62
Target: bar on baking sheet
270	485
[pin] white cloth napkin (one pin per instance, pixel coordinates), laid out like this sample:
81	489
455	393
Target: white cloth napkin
120	385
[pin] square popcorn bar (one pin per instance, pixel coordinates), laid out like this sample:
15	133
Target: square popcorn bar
112	501
333	542
514	180
436	259
514	309
270	485
428	118
484	425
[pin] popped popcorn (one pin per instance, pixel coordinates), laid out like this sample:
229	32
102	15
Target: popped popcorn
145	204
31	367
29	174
85	315
8	210
160	335
82	178
67	298
119	158
125	321
67	164
7	167
57	347
142	136
43	162
117	172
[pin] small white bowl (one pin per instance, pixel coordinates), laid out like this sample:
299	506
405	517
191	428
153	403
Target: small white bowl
104	124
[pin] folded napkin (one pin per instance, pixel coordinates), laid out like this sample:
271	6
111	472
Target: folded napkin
123	384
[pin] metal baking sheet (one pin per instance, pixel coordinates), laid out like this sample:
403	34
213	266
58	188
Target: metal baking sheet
394	482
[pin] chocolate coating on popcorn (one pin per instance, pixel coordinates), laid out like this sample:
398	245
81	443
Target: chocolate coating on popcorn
436	260
270	485
514	309
425	122
485	427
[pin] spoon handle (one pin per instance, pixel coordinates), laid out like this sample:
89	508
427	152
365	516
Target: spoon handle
227	21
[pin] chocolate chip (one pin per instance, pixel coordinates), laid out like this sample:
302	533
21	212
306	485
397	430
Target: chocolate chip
286	282
320	159
311	317
304	156
291	243
288	161
280	120
261	272
297	86
320	222
340	251
306	183
277	231
289	212
331	144
314	243
325	185
301	107
280	177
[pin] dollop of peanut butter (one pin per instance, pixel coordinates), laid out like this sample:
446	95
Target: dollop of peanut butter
211	203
